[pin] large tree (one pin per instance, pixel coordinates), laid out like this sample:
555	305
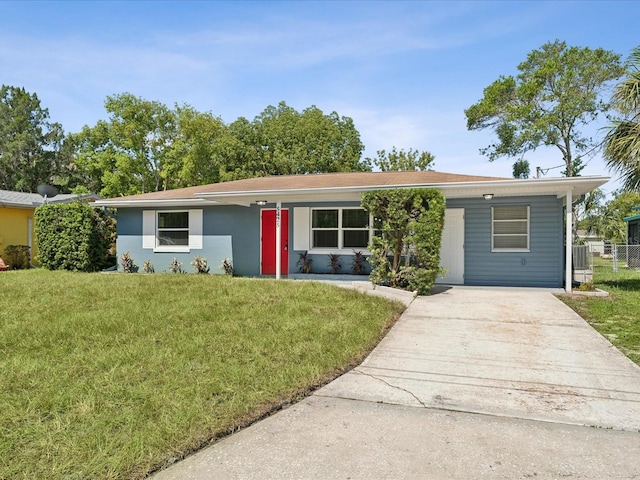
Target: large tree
30	145
283	141
557	92
622	142
195	156
146	146
126	155
401	160
606	220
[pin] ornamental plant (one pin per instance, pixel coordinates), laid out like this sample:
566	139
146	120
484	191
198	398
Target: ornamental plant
128	265
406	248
227	267
17	256
175	266
304	262
199	264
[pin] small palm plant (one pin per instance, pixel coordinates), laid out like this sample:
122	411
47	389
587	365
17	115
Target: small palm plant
358	262
334	263
304	262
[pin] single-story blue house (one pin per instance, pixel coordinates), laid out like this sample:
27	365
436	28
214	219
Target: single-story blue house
498	231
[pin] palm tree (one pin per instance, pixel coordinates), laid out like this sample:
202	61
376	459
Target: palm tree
622	142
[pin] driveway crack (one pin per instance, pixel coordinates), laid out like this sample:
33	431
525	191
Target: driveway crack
424	405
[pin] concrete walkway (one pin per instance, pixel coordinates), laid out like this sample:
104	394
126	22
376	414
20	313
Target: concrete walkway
495	383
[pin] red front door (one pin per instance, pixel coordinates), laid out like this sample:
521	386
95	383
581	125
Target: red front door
268	242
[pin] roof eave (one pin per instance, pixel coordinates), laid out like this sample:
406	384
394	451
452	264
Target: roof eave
175	202
499	188
552	186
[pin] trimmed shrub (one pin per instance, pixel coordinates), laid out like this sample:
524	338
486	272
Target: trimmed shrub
17	256
406	252
74	236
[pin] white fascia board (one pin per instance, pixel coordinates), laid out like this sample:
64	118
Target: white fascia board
185	202
509	187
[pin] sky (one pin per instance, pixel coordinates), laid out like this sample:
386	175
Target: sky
404	71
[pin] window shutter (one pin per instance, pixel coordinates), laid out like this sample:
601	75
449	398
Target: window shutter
148	229
195	229
301	228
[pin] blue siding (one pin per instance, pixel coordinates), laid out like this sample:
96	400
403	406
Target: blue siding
542	266
234	232
228	232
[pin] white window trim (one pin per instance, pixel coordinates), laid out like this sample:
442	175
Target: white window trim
340	249
528	234
150	231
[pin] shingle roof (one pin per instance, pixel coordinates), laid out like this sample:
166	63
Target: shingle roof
26	200
314	182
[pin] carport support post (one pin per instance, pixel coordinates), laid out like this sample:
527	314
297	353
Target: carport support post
569	242
278	239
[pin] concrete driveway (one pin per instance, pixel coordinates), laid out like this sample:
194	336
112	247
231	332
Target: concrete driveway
496	383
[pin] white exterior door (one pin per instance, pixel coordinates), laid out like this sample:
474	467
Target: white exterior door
452	248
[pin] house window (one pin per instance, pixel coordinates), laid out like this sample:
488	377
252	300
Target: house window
172	231
510	228
340	228
173	228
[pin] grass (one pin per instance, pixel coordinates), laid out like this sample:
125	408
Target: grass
113	376
616	317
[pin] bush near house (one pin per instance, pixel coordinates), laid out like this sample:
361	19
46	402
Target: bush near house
406	248
74	236
17	256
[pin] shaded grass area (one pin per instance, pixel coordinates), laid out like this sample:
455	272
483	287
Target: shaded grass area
616	317
112	376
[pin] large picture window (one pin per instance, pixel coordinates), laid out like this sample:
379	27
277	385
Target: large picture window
510	228
340	228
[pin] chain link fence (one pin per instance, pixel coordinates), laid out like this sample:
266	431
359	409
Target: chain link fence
625	256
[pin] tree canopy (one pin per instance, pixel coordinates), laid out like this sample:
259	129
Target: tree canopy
606	220
557	91
146	146
622	142
31	147
401	160
128	153
283	141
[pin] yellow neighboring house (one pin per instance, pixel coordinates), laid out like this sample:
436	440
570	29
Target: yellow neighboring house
17	226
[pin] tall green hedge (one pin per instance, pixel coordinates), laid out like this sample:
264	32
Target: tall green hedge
74	236
406	249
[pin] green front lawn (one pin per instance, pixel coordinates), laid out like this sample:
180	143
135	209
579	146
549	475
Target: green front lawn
617	317
112	375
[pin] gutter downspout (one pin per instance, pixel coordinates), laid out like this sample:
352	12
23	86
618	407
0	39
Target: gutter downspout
30	239
569	242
